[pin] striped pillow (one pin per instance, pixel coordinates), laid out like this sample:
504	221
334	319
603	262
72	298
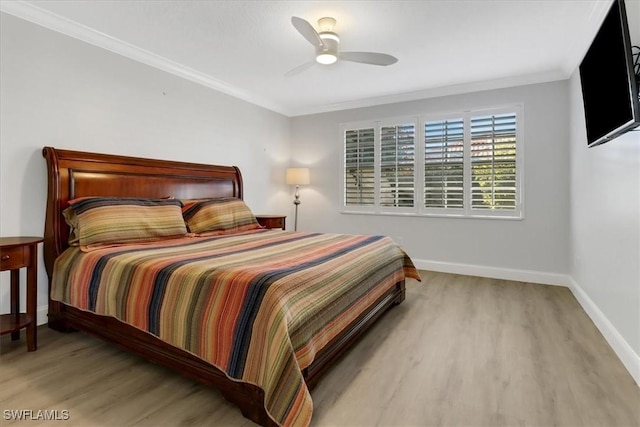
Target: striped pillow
109	220
224	215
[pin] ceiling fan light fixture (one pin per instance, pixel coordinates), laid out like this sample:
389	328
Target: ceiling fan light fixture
328	54
326	58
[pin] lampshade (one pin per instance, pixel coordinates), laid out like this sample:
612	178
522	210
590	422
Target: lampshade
297	176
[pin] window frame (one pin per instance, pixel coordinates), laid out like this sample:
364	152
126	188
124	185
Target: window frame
378	171
441	211
419	174
343	129
377	208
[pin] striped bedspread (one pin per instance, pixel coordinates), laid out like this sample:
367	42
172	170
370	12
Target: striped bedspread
256	305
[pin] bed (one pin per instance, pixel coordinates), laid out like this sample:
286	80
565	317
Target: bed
270	375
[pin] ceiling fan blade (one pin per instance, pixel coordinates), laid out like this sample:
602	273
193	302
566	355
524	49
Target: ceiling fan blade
307	31
300	68
369	58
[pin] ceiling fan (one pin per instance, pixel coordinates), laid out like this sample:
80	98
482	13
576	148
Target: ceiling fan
326	44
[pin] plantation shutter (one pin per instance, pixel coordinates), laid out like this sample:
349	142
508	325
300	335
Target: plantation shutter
397	165
493	162
359	164
464	164
444	164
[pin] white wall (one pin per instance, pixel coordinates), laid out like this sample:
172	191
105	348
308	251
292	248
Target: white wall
605	225
62	92
536	247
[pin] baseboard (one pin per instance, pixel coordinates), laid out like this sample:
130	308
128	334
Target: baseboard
531	276
629	358
41	315
618	344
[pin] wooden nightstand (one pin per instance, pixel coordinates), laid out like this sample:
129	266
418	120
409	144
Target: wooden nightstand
272	221
17	253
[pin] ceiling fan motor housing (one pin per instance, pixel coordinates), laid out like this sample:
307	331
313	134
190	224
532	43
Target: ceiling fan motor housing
328	54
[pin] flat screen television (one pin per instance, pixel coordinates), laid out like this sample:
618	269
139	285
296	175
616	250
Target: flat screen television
609	87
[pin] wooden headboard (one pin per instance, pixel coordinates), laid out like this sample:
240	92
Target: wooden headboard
73	174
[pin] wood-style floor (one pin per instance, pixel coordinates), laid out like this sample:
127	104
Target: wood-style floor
460	351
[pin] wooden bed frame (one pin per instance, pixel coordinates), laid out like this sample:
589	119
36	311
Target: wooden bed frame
73	174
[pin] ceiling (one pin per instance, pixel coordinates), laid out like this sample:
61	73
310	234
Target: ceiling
244	48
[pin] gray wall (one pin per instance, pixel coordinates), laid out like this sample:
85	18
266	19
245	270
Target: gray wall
538	243
605	216
581	206
61	92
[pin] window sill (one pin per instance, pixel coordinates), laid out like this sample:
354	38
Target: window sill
434	215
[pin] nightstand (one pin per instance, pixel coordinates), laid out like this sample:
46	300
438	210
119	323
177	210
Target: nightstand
272	221
17	253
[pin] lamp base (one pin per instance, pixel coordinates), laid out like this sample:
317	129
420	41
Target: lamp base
296	202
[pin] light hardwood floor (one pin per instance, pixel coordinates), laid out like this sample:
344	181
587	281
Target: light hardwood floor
460	351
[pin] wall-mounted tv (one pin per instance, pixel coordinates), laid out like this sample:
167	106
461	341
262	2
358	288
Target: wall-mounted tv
609	86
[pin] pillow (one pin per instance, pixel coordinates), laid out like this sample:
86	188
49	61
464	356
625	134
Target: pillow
224	215
109	220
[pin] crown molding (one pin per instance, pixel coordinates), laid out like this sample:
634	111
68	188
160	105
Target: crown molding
60	24
34	14
435	92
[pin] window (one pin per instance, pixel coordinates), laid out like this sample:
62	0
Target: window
467	164
444	164
493	162
397	160
379	166
359	160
